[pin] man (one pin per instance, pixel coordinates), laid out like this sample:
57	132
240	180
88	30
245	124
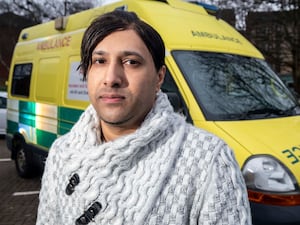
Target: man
130	159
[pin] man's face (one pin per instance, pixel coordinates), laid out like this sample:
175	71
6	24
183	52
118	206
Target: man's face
122	80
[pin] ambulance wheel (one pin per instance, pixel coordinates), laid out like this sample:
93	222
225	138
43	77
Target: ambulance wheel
23	161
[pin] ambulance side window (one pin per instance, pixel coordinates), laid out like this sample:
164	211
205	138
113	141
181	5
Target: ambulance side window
21	79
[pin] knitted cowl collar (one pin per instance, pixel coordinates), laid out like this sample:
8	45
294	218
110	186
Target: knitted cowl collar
126	175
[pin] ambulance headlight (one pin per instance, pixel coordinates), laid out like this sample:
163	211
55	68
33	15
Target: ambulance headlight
268	174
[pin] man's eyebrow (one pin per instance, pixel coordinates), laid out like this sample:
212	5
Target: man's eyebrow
125	53
98	52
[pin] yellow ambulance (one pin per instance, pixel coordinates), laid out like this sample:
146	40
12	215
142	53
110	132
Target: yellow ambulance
215	77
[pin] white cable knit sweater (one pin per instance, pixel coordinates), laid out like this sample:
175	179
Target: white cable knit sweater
167	172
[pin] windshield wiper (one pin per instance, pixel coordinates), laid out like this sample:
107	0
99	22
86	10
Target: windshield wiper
294	110
263	113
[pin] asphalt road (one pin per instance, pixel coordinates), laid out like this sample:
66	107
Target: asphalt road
18	196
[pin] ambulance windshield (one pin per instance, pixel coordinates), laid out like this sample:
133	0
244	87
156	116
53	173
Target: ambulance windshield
232	87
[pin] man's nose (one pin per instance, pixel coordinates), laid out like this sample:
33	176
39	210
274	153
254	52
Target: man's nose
114	75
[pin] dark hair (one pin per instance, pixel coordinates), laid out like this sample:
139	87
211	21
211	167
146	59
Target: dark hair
118	20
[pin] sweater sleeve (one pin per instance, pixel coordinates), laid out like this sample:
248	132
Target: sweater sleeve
48	198
223	198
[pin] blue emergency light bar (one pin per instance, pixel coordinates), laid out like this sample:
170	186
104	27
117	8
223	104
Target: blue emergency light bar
211	9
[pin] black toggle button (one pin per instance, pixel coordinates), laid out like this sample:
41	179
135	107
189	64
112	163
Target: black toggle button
74	180
93	210
89	214
83	220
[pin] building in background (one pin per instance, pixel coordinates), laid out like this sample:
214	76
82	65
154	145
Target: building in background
276	35
10	27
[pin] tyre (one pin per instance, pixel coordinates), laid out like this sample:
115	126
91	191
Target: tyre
23	161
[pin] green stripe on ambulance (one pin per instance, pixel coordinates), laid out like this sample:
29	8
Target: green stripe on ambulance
39	123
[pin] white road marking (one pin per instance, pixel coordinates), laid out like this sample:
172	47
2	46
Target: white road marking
5	160
25	193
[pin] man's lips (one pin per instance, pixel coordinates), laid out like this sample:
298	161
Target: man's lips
111	98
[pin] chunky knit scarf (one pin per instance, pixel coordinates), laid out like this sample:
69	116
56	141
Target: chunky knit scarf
129	176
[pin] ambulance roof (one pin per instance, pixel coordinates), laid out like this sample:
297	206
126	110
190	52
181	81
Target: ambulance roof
182	25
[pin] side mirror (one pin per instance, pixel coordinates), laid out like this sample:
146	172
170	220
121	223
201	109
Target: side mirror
179	106
175	101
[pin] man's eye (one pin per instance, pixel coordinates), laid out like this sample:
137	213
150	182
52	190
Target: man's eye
99	61
131	62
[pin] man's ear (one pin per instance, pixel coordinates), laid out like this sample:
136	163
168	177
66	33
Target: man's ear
161	77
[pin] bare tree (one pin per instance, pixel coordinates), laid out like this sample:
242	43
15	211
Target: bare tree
274	27
18	14
5	7
279	36
28	9
40	11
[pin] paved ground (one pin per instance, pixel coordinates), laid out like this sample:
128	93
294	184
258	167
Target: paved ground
18	197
